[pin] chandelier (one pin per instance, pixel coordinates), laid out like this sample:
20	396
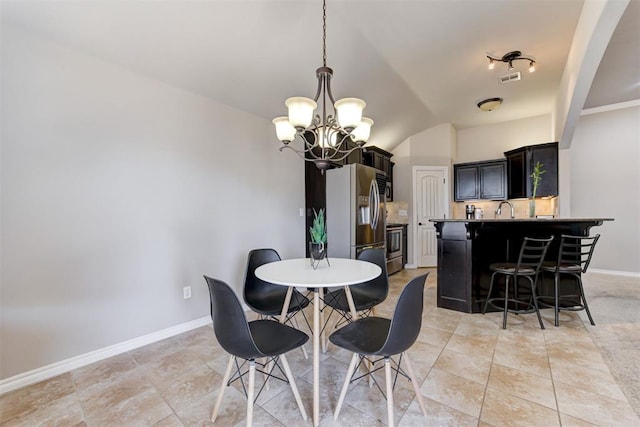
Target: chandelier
331	132
509	58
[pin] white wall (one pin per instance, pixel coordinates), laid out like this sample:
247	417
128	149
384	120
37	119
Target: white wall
491	141
598	20
605	182
117	191
433	147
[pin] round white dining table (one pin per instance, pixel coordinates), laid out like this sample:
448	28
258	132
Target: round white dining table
299	273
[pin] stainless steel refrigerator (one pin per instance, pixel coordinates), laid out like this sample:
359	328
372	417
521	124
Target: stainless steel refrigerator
356	210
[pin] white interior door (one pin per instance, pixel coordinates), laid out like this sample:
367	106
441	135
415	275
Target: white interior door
431	200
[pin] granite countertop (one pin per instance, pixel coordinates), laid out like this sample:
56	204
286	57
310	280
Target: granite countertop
521	219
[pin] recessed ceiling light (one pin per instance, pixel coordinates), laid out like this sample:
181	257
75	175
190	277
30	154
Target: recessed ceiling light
489	104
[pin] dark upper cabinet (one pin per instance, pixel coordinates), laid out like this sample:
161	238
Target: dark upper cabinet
381	160
466	182
355	156
480	180
493	180
520	164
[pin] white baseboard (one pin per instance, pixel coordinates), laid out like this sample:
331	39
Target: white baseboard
410	266
614	272
50	371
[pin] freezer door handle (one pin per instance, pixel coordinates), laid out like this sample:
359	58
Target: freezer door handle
376	203
372	199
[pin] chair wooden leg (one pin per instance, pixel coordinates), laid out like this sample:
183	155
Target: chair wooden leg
323	338
389	379
252	383
292	383
304	350
414	381
225	379
345	386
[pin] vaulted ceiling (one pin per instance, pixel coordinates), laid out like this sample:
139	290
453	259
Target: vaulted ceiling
416	63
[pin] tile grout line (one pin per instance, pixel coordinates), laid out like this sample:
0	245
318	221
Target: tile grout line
155	388
486	386
553	383
75	392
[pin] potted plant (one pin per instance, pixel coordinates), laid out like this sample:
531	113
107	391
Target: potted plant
536	177
318	233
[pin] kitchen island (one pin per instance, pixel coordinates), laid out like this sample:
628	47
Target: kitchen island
466	248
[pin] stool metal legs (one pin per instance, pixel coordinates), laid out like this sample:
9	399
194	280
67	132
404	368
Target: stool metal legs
506	310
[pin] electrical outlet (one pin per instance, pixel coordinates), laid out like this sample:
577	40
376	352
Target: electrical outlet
186	292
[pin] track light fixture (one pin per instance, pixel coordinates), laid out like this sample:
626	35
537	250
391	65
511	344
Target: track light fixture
508	58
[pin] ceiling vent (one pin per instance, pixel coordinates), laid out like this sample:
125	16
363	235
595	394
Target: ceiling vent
511	77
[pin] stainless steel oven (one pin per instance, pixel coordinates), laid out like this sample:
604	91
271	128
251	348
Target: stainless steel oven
394	249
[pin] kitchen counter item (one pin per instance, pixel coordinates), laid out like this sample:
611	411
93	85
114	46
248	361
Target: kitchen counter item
470	211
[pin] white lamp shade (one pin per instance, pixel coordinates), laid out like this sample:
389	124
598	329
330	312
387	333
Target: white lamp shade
284	130
300	111
322	140
362	132
349	112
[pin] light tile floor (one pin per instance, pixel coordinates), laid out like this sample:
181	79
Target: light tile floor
471	372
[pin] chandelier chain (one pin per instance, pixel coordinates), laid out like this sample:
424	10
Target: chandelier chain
324	33
326	139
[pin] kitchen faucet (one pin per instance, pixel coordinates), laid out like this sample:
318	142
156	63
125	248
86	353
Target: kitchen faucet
499	210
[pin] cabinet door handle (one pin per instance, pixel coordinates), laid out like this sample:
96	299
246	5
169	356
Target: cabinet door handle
419	223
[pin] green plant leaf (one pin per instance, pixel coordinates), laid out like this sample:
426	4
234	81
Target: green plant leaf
318	231
538	170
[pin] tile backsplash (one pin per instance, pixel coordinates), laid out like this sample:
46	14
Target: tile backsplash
398	212
521	208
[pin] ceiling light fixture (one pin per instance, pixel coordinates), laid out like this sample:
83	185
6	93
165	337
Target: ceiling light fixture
489	104
330	134
508	58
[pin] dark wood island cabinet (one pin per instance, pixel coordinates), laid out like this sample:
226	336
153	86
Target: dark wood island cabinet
466	248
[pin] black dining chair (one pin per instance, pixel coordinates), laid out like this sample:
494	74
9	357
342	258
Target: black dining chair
532	253
250	341
372	339
365	295
265	298
573	259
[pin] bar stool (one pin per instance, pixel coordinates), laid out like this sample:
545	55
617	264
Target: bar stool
532	253
574	257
